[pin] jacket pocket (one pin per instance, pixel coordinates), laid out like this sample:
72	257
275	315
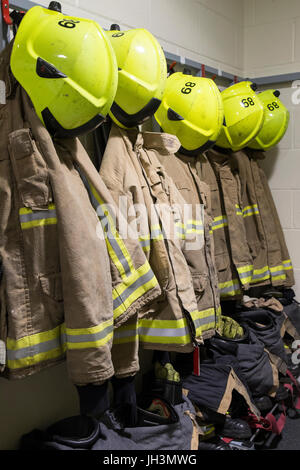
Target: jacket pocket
222	262
184	190
30	170
51	286
51	298
199	284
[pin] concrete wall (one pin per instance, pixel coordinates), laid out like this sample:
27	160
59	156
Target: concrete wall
272	37
282	166
209	31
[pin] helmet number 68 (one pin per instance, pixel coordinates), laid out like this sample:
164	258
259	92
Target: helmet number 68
246	102
272	106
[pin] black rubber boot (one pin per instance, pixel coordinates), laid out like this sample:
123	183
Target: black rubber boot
235	429
213	444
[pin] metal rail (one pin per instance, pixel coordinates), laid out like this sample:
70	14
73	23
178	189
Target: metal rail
265	80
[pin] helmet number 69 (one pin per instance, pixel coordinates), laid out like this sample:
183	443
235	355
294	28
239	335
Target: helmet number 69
186	90
68	23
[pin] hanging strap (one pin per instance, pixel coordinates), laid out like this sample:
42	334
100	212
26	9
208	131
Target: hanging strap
277	425
269	423
296	402
196	361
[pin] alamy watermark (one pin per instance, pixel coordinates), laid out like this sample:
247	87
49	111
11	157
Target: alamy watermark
296	354
2	92
179	223
296	93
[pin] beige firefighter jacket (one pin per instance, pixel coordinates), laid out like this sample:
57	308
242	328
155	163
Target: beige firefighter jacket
279	262
256	236
230	193
202	264
131	167
69	278
228	278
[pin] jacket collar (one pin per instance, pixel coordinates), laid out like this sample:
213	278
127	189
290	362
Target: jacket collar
162	142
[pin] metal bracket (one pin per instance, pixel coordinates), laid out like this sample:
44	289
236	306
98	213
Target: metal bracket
5	12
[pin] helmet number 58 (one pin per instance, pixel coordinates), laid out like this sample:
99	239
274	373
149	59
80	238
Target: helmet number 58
186	90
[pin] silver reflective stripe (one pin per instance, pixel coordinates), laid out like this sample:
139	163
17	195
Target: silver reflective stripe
195	226
113	241
233	288
156	233
56	343
220	222
144	243
90	337
287	264
161	332
245	274
38	215
261	275
125	333
127	292
204	321
35	349
250	212
277	273
180	230
2	353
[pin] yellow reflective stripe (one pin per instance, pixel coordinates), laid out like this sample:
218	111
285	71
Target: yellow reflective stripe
90	331
238	210
127	333
245	273
229	288
146	249
261	274
26	210
163	324
144	237
126	292
219	217
223	222
116	237
37	218
245	269
280	277
90	344
261	271
38	223
164	331
156	232
39	347
276	268
287	264
201	317
194	230
277	273
34	339
36	359
127	339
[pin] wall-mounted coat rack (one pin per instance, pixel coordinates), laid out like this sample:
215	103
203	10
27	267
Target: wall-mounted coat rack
197	66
